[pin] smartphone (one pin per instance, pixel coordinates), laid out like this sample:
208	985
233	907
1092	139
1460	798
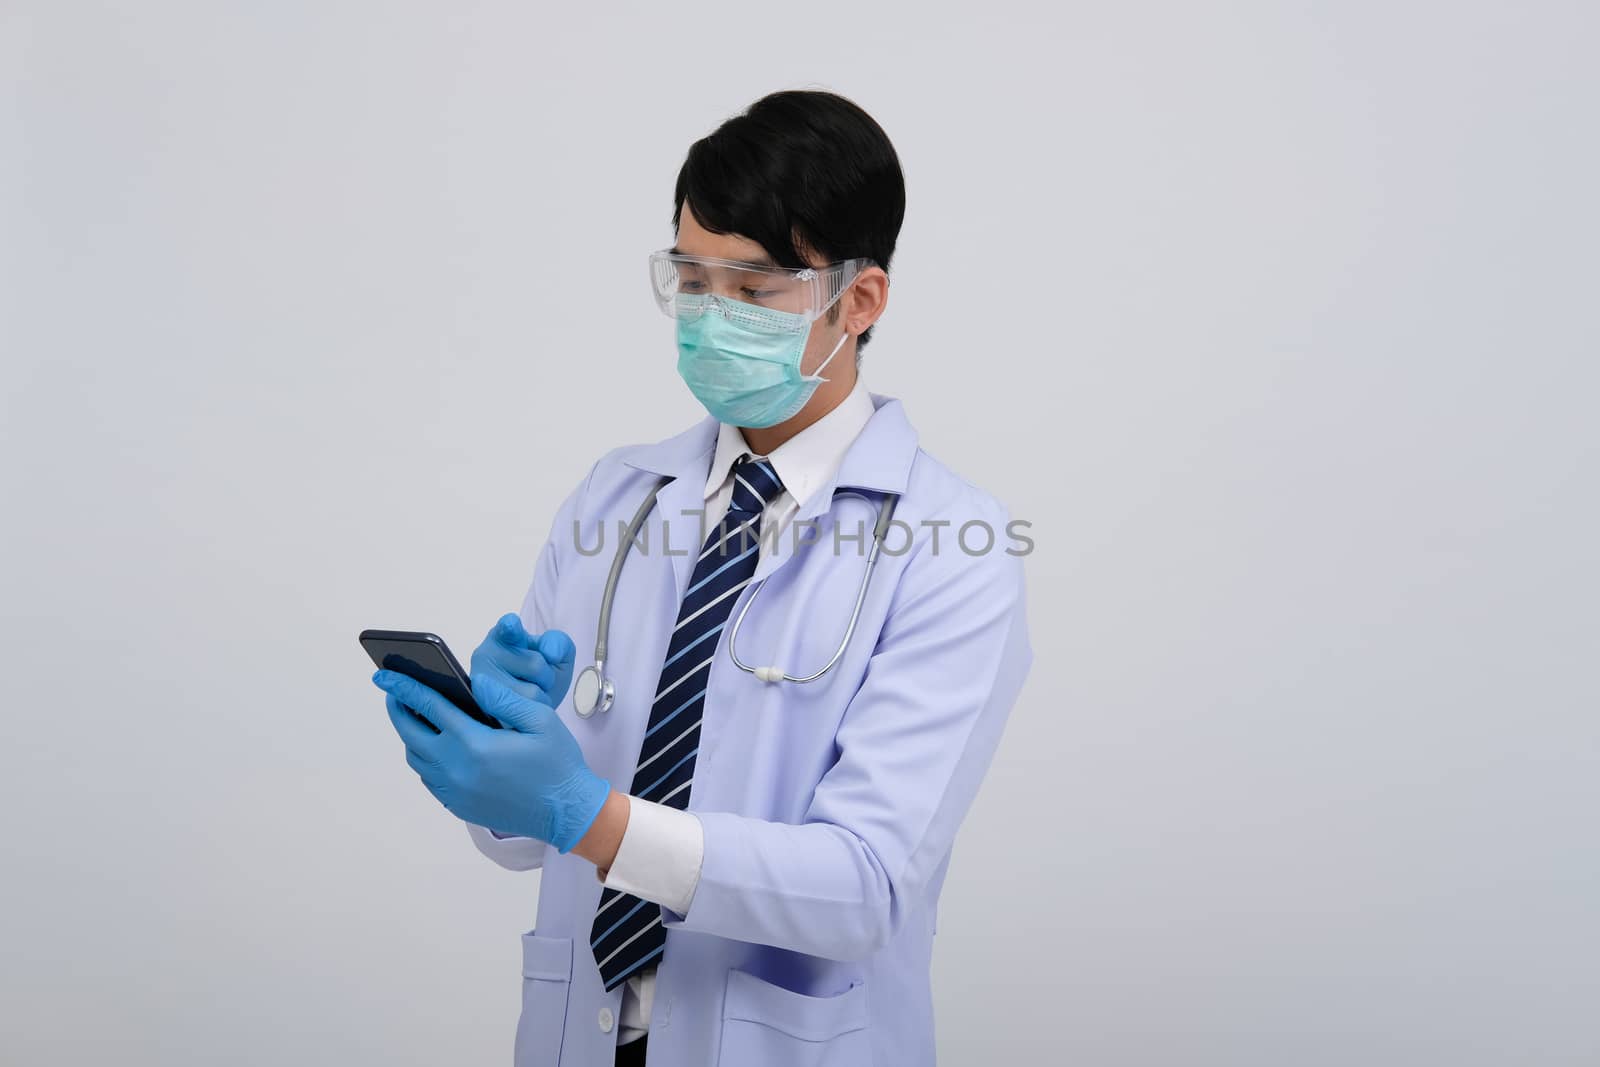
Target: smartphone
426	658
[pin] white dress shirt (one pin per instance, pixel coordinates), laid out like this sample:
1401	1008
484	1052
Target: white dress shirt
661	850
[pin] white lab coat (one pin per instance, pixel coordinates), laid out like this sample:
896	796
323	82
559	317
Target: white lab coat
829	808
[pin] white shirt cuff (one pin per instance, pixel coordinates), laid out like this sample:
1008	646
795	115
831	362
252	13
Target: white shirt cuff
660	855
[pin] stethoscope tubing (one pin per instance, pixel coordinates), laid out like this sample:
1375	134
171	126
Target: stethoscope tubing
594	691
777	674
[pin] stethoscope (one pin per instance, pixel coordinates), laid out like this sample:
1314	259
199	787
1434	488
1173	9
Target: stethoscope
594	692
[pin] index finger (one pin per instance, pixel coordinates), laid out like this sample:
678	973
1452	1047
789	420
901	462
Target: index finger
417	733
557	648
517	654
426	702
510	633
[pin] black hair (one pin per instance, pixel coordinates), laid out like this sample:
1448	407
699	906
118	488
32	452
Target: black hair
799	171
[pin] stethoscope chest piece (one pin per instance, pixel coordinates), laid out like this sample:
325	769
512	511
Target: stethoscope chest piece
592	692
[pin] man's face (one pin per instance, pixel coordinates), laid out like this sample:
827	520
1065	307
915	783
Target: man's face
696	240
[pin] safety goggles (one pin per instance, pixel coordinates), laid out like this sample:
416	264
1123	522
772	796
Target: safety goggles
686	286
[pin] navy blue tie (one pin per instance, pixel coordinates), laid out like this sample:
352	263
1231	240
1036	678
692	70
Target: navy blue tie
627	933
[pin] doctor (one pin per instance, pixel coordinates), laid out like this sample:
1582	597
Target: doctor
745	810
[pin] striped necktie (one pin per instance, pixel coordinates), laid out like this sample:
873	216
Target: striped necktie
627	933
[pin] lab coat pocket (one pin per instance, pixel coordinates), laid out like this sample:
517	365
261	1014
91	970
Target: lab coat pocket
546	977
766	1024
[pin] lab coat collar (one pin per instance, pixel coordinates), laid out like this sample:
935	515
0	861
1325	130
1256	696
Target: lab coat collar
879	459
679	455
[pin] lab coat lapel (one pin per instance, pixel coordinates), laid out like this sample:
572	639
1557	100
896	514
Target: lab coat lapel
674	529
680	515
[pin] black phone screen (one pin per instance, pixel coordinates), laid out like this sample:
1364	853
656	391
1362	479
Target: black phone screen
426	658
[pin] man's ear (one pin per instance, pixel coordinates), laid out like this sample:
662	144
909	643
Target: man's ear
866	299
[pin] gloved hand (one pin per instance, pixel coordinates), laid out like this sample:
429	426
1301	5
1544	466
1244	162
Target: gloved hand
538	668
529	779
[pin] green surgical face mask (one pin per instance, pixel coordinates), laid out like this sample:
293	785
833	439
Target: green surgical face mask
743	364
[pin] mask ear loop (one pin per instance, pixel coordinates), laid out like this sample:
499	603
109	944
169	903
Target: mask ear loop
816	375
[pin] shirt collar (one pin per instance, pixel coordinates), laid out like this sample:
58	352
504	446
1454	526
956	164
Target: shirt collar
880	458
808	460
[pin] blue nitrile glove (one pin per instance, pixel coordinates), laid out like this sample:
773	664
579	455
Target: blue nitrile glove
529	779
539	668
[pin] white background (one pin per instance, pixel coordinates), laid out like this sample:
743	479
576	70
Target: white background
1278	321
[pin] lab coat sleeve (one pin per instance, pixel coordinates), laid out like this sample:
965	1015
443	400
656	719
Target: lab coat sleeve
538	608
512	853
913	745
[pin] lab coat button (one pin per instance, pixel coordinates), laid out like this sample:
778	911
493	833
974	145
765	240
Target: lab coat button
607	1020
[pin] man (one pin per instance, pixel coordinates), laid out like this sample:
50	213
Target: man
742	852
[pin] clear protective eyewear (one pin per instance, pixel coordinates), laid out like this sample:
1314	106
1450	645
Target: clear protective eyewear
778	297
